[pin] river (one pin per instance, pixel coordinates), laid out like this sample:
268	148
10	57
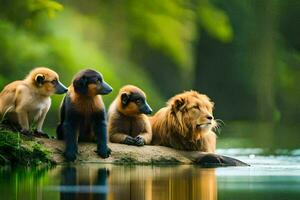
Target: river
274	173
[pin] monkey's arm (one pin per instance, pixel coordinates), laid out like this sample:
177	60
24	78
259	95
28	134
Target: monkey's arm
41	120
121	138
23	120
71	139
100	129
117	134
70	130
145	137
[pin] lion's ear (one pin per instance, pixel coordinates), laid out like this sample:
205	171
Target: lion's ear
178	104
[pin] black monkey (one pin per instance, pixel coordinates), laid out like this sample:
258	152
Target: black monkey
82	114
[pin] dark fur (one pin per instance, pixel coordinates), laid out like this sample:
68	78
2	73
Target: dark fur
128	123
82	114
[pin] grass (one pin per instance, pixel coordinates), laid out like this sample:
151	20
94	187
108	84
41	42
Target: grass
17	151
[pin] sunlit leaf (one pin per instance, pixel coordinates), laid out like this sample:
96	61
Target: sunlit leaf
214	21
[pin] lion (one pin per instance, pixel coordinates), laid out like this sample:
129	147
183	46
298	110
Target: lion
186	123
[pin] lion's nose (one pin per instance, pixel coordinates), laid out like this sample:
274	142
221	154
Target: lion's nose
209	117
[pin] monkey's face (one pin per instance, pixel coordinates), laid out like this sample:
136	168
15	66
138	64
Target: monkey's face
47	82
89	82
134	103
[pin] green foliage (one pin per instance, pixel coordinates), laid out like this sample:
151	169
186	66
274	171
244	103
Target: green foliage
166	25
25	11
51	7
16	151
20	51
215	21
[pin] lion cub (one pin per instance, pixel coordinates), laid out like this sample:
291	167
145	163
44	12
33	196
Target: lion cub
28	100
186	123
127	117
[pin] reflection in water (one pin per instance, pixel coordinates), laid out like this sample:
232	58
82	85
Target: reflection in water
278	179
83	183
141	182
181	182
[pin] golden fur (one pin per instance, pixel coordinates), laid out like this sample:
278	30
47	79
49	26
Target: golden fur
128	121
185	123
26	100
88	103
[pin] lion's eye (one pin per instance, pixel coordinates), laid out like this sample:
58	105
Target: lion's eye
195	107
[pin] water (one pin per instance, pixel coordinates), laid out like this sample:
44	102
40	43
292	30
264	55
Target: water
275	178
274	174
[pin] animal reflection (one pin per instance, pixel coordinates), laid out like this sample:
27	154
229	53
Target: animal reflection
138	183
83	183
155	183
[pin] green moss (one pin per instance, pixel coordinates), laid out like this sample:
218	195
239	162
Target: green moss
15	150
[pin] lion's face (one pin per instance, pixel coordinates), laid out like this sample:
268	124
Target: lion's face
194	112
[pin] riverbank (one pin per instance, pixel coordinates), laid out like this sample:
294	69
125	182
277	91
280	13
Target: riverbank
16	149
146	155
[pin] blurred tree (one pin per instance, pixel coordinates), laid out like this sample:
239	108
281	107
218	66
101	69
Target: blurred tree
254	76
263	58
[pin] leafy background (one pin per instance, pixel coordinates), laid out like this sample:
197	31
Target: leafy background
243	54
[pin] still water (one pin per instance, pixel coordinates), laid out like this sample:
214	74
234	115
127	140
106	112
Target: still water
274	174
279	180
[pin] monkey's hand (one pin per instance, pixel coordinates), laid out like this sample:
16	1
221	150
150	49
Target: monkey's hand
139	140
104	152
129	140
41	134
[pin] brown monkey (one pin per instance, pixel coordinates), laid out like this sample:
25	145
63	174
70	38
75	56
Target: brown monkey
29	100
127	120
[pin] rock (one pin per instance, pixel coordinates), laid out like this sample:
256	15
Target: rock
125	154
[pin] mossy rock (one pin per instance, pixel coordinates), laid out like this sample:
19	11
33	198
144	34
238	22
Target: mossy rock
18	150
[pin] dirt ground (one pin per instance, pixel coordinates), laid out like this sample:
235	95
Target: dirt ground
125	154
